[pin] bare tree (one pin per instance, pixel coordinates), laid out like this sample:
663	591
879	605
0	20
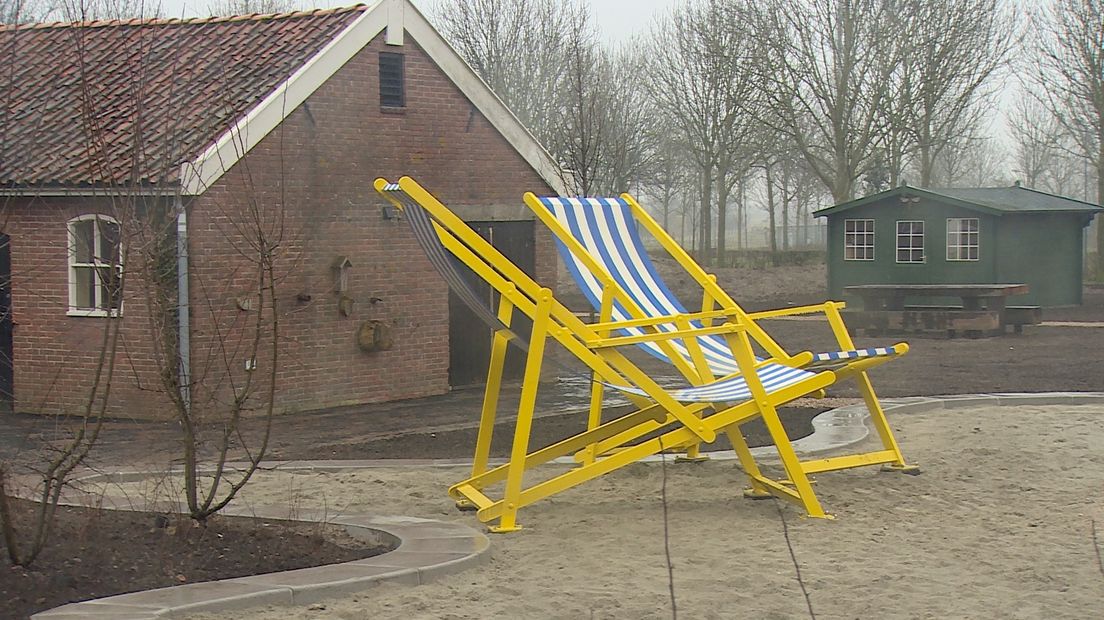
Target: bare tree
1035	134
1069	75
831	64
952	51
523	50
44	471
978	162
705	78
222	410
23	11
543	58
90	10
248	7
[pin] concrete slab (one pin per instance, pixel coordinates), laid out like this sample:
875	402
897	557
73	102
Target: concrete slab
431	565
1048	398
469	545
212	595
969	400
309	585
96	610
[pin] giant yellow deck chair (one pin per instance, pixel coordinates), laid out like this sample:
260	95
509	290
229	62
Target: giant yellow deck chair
600	242
681	416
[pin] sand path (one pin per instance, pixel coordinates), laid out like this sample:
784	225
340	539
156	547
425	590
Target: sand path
998	526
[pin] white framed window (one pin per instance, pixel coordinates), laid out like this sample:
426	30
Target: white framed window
95	266
910	241
858	239
962	238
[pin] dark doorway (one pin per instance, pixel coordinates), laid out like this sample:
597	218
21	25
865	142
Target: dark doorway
7	399
470	338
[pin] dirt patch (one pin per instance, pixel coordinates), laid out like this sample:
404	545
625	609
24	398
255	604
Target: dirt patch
96	553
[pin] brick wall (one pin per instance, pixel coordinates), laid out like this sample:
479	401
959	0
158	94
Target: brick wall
56	355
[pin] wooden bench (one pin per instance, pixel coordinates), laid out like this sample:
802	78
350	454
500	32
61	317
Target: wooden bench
982	311
1018	316
948	320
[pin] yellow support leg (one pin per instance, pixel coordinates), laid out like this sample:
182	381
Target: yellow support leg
490	399
518	452
804	494
693	454
877	414
594	417
757	489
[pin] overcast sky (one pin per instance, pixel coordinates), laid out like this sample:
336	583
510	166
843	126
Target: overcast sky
617	19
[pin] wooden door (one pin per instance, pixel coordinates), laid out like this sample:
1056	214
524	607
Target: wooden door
469	337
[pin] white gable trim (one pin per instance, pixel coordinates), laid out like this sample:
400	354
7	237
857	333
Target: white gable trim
393	15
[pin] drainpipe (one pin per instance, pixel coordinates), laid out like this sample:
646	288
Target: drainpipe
183	326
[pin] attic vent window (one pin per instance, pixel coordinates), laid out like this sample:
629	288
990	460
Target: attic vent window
391	80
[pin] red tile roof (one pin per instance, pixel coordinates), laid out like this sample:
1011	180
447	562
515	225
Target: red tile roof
124	102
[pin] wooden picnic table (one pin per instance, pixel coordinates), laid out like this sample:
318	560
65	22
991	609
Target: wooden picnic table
983	307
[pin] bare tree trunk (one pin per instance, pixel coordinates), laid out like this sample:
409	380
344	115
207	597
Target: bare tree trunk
769	168
705	215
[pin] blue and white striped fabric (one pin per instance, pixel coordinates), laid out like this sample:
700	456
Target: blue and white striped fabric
607	230
732	389
443	261
840	358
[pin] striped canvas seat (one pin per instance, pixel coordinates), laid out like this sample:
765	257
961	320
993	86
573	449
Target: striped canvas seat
732	389
607	230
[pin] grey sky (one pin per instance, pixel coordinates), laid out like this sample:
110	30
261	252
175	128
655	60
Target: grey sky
618	20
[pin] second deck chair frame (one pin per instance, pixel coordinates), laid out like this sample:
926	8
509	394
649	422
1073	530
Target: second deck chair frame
717	303
657	409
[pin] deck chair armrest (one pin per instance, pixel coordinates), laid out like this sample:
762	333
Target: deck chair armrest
620	341
796	310
666	319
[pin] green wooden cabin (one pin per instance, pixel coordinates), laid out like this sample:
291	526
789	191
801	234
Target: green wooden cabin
994	235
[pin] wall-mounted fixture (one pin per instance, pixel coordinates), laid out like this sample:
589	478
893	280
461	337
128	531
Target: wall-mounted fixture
340	267
391	213
373	335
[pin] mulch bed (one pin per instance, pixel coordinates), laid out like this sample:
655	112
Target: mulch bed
96	553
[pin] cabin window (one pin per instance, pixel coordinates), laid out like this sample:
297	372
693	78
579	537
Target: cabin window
858	240
392	85
95	266
962	238
910	241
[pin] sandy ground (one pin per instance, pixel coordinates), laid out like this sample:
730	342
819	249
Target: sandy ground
1000	525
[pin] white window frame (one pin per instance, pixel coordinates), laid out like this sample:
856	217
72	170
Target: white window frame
964	240
96	264
864	249
910	248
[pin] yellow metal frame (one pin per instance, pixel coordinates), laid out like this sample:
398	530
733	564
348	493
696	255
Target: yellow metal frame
499	492
718	304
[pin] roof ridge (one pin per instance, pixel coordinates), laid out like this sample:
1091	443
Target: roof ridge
176	21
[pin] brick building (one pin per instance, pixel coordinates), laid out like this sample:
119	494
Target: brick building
169	151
